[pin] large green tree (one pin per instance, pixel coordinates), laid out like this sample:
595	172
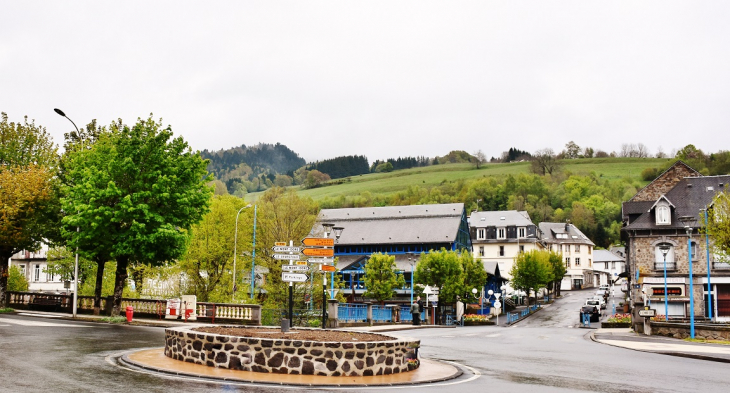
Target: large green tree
28	192
134	194
441	269
381	278
718	225
558	271
532	270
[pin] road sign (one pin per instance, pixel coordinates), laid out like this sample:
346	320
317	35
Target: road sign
318	242
286	257
286	249
303	263
294	268
647	313
319	252
328	268
293	277
320	260
280	243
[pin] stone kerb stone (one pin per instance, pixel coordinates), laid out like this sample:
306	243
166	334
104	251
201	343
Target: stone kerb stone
293	356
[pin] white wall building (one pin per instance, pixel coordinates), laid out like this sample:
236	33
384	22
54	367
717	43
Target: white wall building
498	236
33	265
577	251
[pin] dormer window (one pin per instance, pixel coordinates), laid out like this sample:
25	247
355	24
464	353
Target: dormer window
663	214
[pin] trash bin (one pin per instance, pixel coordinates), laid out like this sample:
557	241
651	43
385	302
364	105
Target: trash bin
129	313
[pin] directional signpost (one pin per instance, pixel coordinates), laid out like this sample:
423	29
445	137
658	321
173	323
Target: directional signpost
328	268
286	249
287	257
295	268
319	252
318	242
647	313
294	277
320	260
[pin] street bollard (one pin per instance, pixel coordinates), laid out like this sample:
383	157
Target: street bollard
284	325
129	312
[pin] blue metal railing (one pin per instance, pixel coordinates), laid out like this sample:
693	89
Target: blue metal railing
348	312
382	314
405	314
513	317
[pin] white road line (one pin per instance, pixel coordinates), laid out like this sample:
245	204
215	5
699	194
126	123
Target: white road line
19	322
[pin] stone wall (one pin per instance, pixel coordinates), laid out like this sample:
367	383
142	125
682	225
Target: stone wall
289	356
678	330
665	182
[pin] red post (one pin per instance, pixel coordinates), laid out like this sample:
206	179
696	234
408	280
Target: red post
129	313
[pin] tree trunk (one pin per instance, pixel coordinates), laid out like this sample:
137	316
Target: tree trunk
119	280
4	271
98	286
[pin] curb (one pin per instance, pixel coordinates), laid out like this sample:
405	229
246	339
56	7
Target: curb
669	353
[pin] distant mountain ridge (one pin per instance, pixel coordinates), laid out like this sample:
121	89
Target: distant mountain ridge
263	158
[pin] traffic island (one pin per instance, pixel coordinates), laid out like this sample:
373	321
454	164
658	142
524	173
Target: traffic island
329	353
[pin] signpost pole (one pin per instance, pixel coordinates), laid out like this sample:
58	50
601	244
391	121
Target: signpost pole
291	292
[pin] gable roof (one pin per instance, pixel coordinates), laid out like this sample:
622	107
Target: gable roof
606	256
664	182
689	197
502	218
574	235
395	224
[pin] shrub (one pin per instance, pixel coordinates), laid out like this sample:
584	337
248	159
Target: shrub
475	318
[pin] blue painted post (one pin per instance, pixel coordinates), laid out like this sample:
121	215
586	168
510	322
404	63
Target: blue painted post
691	287
709	286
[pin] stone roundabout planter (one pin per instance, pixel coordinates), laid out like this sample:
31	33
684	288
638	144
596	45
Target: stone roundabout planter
291	356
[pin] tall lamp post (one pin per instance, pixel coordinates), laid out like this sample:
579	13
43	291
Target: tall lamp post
665	250
709	286
411	261
235	252
691	287
76	261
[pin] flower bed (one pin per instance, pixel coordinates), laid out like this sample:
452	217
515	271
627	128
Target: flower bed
617	321
476	319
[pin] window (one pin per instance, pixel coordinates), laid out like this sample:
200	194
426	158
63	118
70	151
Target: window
589	250
577	261
694	252
590	262
659	256
481	233
522	248
481	251
560	248
663	214
500	233
37	273
613	265
520	232
567	262
22	269
577	248
501	251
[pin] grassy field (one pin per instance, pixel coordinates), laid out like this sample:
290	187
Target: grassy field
388	183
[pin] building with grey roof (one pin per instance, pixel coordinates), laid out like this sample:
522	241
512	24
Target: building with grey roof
499	236
402	231
577	251
610	263
668	215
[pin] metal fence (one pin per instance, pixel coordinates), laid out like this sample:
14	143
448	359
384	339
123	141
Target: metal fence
513	317
405	314
348	312
382	314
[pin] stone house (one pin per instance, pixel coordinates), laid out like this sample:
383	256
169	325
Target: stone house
662	223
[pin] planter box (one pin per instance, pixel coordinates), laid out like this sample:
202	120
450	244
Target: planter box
478	323
615	325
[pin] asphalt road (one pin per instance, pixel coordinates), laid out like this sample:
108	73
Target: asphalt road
548	352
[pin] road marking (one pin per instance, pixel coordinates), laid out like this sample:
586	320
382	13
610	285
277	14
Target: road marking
19	322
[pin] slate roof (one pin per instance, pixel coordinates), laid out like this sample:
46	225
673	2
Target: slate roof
689	197
606	256
503	218
395	224
575	236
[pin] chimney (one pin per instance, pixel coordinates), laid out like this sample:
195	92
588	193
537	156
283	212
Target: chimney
566	227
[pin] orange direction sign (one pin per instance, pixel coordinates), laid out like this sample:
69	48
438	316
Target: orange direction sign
319	252
318	242
328	268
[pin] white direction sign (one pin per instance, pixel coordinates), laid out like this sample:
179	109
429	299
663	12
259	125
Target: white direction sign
286	249
293	277
294	268
320	260
287	257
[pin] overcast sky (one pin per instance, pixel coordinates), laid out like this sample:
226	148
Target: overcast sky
378	78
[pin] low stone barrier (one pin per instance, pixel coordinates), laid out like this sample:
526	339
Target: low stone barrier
284	356
682	330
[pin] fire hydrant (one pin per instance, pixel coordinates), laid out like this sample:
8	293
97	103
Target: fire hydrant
130	312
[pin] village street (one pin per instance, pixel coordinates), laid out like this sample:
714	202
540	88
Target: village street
548	352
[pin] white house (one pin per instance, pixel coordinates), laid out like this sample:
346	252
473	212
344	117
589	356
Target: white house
610	263
33	265
577	251
499	236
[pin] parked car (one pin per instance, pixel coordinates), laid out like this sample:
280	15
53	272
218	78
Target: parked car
602	293
593	311
596	301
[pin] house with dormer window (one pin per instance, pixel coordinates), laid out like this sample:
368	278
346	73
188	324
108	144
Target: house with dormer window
662	223
577	251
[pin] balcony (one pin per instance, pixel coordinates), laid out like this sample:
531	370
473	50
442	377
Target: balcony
671	266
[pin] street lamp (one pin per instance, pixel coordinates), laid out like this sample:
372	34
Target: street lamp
709	286
411	261
503	289
688	229
235	251
76	261
665	250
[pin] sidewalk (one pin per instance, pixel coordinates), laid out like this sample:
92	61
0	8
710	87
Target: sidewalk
626	338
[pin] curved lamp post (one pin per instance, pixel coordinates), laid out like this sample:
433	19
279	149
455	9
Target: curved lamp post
691	287
665	250
76	262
